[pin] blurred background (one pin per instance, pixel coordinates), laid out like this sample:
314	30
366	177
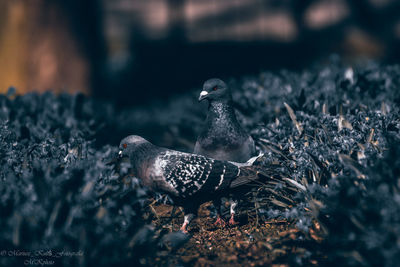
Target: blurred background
133	51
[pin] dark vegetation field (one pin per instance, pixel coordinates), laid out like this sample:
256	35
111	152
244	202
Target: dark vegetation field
329	192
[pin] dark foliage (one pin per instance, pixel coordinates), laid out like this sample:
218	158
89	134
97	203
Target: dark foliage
330	135
60	200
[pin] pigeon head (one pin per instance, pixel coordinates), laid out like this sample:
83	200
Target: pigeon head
215	89
130	144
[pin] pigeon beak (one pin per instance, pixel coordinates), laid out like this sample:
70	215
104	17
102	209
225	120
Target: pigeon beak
120	153
203	95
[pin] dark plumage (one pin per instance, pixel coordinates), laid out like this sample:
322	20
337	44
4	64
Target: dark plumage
189	179
222	137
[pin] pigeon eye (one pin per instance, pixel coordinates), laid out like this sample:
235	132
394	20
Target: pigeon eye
124	145
215	88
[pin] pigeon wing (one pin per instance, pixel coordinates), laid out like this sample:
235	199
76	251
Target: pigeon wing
189	174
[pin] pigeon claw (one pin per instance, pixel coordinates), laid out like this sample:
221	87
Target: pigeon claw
220	222
232	220
183	228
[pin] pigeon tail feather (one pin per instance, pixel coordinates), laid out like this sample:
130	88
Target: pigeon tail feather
247	175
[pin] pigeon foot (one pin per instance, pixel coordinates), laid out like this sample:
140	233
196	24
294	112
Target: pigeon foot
220	222
232	220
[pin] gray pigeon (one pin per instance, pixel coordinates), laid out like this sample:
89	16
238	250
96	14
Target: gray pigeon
189	179
222	137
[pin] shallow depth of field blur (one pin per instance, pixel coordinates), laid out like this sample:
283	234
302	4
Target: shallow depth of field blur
315	83
141	50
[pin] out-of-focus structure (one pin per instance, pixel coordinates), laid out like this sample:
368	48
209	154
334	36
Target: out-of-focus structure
48	45
134	50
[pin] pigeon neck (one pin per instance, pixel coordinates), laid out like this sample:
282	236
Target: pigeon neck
142	153
220	110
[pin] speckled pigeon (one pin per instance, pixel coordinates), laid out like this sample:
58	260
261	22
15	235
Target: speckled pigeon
222	137
189	179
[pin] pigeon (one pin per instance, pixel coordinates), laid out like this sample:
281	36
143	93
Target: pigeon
189	179
222	137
